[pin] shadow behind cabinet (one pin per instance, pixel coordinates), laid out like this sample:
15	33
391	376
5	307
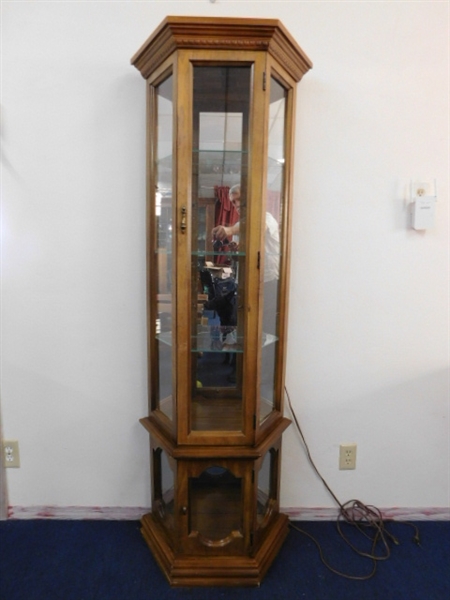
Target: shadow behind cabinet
220	113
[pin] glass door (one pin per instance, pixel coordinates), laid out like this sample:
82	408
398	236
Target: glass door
221	113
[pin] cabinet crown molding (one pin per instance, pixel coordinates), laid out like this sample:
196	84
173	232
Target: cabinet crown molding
218	33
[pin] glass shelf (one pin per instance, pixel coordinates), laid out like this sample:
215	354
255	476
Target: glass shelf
203	253
208	162
216	339
217	167
229	253
219	156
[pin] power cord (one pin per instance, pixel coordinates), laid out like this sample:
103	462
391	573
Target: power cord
366	519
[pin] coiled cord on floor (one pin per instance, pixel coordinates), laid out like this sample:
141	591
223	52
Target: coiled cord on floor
366	519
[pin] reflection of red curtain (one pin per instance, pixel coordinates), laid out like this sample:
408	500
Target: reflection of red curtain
226	213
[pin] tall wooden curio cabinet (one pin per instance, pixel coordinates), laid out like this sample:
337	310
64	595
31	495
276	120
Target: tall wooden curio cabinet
220	102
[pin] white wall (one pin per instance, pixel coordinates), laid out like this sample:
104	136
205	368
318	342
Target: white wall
368	347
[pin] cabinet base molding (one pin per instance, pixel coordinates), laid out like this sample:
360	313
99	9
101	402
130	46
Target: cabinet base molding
182	570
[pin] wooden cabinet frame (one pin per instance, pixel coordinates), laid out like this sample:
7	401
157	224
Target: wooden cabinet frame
221	99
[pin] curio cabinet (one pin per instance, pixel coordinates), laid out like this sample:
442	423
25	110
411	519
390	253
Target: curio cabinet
220	120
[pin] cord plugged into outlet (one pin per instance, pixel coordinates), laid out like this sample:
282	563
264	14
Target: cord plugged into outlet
366	519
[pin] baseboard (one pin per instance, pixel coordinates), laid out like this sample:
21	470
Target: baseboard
134	513
105	513
399	513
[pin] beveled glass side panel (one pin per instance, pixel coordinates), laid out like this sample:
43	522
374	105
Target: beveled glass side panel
272	243
221	105
264	487
164	487
216	505
163	208
267	486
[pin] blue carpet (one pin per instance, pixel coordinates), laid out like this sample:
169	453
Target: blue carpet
109	560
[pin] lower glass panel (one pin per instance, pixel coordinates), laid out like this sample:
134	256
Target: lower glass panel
264	488
215	505
164	486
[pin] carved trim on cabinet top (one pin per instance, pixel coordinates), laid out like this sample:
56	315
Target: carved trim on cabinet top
268	35
223	43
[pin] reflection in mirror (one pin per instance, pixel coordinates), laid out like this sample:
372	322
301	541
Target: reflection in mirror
220	131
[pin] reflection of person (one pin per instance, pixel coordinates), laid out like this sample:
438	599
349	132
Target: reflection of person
271	257
228	232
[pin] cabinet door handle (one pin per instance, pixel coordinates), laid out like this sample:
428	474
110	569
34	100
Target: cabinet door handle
183	224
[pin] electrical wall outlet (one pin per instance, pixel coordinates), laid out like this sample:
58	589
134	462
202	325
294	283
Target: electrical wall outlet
347	456
11	453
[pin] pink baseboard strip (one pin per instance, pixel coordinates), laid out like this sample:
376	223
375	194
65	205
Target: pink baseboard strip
106	513
127	513
401	514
